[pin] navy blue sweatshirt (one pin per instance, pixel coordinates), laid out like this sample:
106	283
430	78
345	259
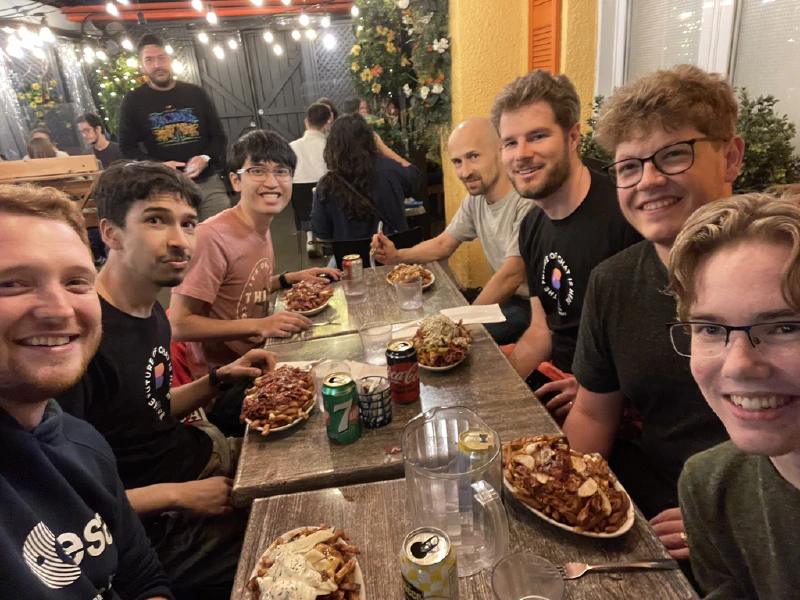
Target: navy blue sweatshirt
67	530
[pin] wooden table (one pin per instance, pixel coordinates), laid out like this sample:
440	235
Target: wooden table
302	458
375	517
381	305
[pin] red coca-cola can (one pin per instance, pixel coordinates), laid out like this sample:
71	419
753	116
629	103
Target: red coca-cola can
403	371
352	266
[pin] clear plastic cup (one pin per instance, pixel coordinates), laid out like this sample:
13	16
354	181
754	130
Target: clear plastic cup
525	576
321	371
409	294
355	290
375	337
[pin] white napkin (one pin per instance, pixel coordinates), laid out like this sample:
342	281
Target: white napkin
469	315
405	330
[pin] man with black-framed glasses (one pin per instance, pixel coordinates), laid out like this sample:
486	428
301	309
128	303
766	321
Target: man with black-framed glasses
734	272
673	136
222	306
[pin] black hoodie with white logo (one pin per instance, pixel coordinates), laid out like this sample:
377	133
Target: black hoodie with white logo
67	530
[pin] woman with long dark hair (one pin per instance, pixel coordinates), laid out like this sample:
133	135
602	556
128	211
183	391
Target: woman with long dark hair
362	186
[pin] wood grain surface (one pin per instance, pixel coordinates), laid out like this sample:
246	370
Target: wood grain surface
302	458
381	305
374	515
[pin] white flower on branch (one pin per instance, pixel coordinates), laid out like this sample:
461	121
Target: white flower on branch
441	45
407	91
403	4
424	91
438	88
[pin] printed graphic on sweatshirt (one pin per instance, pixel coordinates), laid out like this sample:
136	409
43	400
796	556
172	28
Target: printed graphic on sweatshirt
254	300
158	379
175	126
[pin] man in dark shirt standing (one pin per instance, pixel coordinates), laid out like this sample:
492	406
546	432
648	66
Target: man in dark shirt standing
575	224
91	128
175	123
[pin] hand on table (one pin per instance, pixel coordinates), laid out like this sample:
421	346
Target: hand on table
385	251
314	275
210	496
561	404
175	164
283	325
668	526
254	363
195	166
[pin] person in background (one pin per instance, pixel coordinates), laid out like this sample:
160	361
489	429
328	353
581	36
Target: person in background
40	148
673	136
309	150
92	131
329	103
353	106
40	133
178	477
67	531
362	187
177	124
575	225
734	270
491	212
222	307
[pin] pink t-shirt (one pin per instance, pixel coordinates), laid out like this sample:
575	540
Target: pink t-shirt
230	270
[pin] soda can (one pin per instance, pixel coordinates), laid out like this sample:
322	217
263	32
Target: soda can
428	565
403	371
342	412
353	266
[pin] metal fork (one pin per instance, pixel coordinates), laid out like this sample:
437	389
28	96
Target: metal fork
574	570
372	250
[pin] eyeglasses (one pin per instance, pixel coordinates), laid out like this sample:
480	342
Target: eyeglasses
259	174
670	160
709	340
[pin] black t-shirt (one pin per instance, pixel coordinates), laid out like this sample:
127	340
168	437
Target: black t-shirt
109	154
560	255
176	124
624	345
125	394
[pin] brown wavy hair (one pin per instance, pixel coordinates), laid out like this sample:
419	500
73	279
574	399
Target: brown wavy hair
44	202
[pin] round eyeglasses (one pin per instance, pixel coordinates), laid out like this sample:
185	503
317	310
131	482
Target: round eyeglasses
670	160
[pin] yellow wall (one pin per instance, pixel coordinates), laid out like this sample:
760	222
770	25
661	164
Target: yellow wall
489	49
579	48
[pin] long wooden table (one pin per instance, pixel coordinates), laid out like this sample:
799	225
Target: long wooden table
376	519
381	305
302	458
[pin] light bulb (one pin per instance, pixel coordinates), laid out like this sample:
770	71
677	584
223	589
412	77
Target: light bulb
326	21
304	20
177	67
125	2
39	53
112	9
132	62
354	11
311	34
168	49
211	17
197	5
268	37
87	51
219	52
257	2
329	41
232	44
127	44
277	49
46	35
203	37
15	51
286	2
295	34
101	55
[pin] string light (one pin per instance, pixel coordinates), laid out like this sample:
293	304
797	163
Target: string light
286	2
277	49
168	49
39	53
295	35
329	41
101	55
354	11
304	20
268	37
177	67
326	21
127	44
257	2
311	34
211	16
46	35
197	5
132	62
203	37
125	2
232	44
112	9
219	52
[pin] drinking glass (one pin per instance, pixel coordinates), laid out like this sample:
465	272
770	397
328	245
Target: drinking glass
355	290
525	576
321	371
375	337
409	294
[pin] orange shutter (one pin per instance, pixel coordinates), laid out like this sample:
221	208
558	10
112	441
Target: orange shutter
545	35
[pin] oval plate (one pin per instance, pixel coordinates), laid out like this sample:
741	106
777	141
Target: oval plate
626	526
447	368
313	311
358	575
424	287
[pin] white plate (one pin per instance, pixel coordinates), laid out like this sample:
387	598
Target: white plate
357	574
447	368
424	287
312	312
289	425
626	526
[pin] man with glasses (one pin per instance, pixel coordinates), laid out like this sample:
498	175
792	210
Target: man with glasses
673	134
734	271
222	307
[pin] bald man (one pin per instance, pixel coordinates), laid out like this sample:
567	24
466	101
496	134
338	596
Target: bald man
491	212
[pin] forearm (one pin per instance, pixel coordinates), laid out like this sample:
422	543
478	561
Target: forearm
152	499
388	152
500	288
189	397
532	349
427	251
593	421
199	328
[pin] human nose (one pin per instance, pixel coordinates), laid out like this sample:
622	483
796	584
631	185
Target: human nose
651	177
742	360
178	237
54	303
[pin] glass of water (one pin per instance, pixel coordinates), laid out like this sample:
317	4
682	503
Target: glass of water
321	371
355	290
409	294
525	576
375	337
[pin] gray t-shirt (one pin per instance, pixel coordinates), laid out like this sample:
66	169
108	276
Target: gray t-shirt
495	225
742	520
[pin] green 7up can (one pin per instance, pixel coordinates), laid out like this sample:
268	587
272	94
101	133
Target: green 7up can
343	414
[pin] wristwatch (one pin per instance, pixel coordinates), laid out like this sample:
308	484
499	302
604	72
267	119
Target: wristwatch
282	280
215	381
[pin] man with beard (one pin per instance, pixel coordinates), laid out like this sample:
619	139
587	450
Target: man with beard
178	477
576	225
91	129
67	530
175	123
491	212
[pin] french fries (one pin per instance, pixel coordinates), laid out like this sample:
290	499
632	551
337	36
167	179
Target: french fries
404	273
307	295
278	398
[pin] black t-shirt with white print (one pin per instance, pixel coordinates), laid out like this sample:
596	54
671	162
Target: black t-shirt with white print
125	394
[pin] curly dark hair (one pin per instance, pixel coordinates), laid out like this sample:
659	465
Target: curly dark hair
351	155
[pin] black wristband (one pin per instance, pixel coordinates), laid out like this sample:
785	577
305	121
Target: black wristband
215	381
282	280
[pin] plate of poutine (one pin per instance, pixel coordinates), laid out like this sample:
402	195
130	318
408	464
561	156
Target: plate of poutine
278	400
573	491
316	562
441	343
307	298
404	273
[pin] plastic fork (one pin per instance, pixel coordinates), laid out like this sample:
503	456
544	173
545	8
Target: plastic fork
574	570
372	250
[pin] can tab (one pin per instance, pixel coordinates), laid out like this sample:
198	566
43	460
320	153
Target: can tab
420	550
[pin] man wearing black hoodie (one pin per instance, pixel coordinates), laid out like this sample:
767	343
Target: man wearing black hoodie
67	530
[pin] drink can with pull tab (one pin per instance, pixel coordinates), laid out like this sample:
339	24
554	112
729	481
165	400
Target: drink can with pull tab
428	566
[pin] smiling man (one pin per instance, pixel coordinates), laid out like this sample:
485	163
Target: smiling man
734	269
222	307
575	225
67	530
673	135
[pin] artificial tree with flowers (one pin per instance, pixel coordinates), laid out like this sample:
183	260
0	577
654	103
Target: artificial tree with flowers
111	81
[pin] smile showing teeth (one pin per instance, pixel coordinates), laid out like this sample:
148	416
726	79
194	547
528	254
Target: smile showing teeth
46	341
659	204
527	171
760	402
